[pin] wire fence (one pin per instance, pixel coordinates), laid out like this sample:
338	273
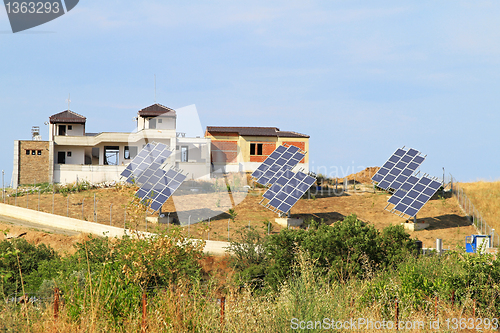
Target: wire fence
472	213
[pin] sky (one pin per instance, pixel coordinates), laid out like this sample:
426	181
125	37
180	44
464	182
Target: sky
362	78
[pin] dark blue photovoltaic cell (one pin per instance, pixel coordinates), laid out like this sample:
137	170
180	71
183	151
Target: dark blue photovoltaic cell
281	196
412	152
383	184
141	193
419	187
418	159
412	194
394	200
425	181
281	161
406	186
417	205
382	172
284	207
411	212
401	165
395	159
388	165
269	194
407	201
155	205
406	159
435	185
390	178
126	173
377	178
429	191
400	152
423	198
407	172
412	180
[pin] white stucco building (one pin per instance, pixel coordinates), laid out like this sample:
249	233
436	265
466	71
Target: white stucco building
75	154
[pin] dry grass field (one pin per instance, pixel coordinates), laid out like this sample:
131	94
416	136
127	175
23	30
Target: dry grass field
446	218
486	198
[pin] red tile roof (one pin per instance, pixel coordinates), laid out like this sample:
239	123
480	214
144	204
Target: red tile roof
67	117
157	110
255	131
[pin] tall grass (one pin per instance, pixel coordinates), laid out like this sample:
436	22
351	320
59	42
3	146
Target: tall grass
486	198
419	285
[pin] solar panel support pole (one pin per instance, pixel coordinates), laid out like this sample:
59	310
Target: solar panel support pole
415	219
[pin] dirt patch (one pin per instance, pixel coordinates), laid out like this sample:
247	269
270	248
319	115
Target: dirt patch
61	243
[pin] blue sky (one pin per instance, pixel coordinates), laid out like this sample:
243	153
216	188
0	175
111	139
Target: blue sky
362	78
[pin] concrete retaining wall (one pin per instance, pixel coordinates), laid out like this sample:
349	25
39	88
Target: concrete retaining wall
68	223
61	222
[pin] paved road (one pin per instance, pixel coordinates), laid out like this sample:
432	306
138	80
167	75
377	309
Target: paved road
213	247
40	227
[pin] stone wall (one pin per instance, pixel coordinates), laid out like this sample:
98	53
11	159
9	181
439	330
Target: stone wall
33	162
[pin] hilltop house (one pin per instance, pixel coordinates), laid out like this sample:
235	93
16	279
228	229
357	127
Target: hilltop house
243	149
73	154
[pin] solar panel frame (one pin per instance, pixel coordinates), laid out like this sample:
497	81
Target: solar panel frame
398	169
414	199
283	198
281	159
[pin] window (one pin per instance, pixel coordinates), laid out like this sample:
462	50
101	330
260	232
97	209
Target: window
27	151
129	152
152	123
62	129
39	152
256	149
68	154
160	121
33	152
70	127
184	153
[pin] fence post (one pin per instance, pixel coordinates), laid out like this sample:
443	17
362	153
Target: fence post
83	203
110	207
228	229
144	312
53	194
67	206
452	298
56	303
222	308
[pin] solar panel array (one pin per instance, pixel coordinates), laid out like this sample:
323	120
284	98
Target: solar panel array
146	170
398	169
149	159
281	159
410	193
410	201
287	190
287	187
